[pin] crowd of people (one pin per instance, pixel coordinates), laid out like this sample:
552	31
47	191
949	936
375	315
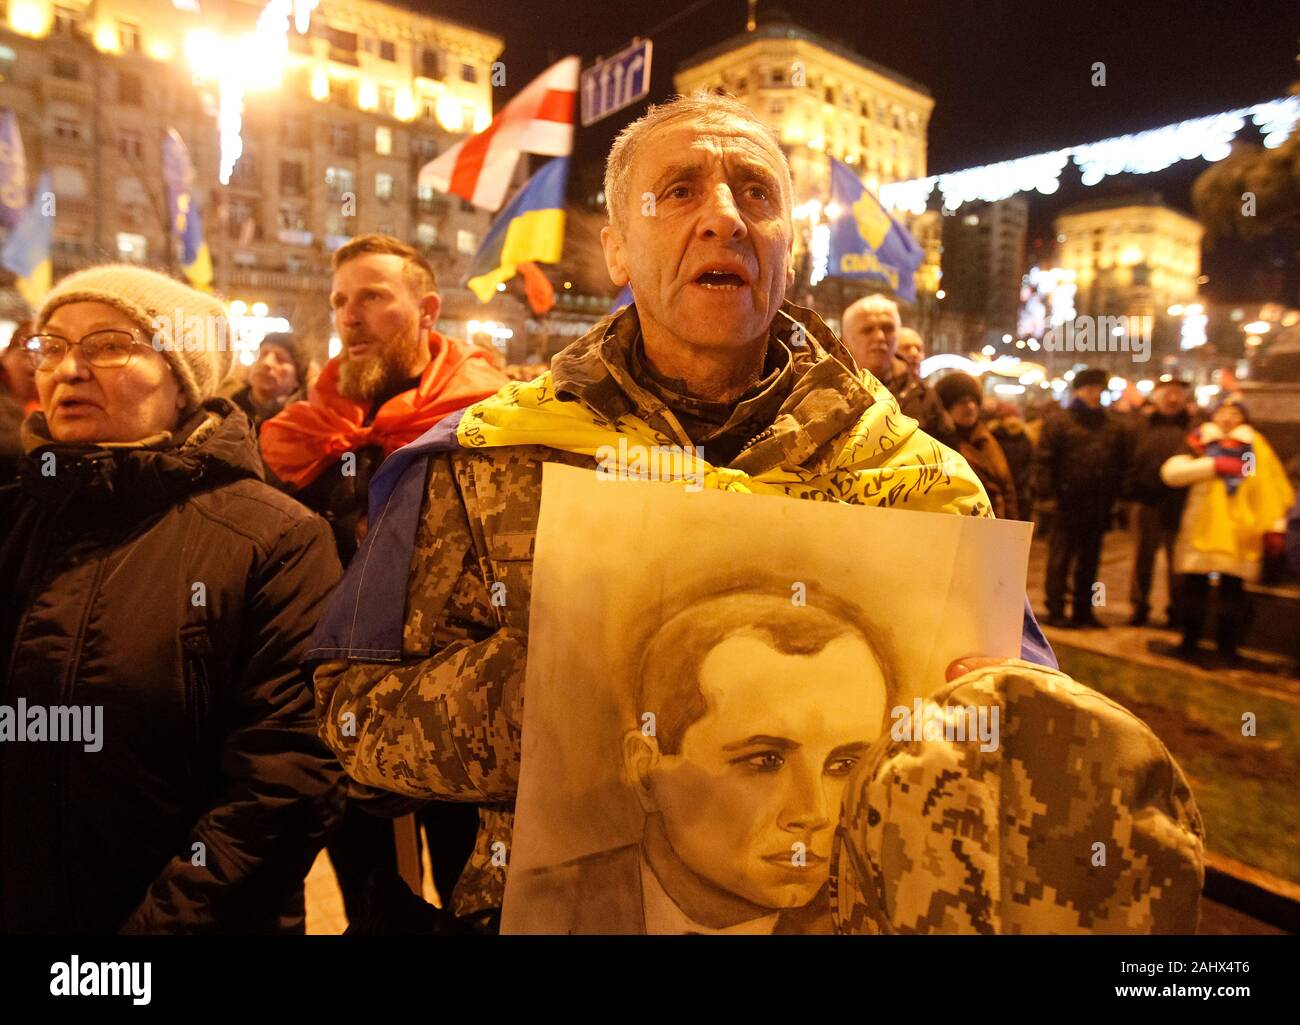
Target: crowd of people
172	548
1207	491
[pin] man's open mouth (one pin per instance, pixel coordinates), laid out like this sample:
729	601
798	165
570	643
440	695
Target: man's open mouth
728	277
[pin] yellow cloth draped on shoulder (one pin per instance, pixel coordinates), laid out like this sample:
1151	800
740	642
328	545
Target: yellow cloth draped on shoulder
883	460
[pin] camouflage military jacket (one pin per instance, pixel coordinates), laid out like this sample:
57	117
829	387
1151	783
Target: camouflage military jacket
442	720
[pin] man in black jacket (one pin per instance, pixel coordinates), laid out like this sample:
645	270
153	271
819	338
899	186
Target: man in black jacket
1157	509
1080	467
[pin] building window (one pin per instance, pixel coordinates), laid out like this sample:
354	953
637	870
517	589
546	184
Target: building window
383	141
291	177
387	50
429	110
468	73
343	45
828	94
69	182
387	99
338	182
777	76
431	64
130	90
292	218
69	130
424	150
131	247
426	235
130	144
343	140
466	241
67	69
128	36
67	21
295	132
241	220
384	186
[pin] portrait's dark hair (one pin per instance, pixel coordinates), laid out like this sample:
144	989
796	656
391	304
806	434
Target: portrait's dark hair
668	672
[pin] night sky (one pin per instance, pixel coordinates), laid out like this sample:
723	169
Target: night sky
1009	77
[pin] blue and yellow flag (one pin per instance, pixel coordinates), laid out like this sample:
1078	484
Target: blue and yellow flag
529	230
183	212
866	243
27	249
13	171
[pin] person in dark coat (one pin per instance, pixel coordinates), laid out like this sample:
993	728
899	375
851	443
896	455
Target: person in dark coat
1018	447
1157	434
961	394
277	377
1080	471
157	598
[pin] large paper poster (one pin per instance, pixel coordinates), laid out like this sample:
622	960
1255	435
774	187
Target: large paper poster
705	669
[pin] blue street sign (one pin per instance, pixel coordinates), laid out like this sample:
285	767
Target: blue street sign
616	82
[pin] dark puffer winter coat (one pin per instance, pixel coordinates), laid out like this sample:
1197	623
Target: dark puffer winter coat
175	589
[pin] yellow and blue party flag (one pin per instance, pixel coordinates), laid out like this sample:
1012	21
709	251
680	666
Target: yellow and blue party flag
13	171
867	244
27	249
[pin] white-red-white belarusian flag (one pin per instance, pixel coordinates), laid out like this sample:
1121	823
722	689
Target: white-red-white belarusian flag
538	120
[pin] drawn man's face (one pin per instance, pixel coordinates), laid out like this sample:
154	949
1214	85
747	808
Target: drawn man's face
751	802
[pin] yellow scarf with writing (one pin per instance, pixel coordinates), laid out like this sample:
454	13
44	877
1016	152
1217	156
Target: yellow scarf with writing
884	459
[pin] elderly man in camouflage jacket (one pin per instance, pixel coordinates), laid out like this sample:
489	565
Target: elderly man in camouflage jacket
420	660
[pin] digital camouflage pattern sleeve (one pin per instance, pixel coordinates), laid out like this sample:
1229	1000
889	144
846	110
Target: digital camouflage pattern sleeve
445	723
1078	820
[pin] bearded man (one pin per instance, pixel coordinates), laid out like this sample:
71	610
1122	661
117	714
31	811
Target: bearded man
395	378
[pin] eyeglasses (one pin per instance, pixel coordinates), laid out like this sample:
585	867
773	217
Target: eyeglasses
109	348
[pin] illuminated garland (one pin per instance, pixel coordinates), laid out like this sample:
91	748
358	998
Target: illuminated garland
1141	153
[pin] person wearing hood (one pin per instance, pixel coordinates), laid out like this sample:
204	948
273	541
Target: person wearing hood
1080	469
430	663
17	399
1237	501
157	596
961	396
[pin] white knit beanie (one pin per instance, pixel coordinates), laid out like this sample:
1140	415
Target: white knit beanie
187	326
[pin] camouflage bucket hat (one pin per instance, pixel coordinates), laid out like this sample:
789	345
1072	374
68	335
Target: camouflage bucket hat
1077	820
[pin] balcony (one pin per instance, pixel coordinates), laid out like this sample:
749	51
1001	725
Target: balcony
344	56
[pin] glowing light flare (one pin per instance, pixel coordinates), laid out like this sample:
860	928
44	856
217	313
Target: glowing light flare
320	85
106	40
451	115
1257	327
404	105
821	253
30	19
368	95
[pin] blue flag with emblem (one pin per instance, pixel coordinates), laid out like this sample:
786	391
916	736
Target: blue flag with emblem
13	171
866	244
27	249
183	212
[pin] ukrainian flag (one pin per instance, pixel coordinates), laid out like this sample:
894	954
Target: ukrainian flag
529	230
27	249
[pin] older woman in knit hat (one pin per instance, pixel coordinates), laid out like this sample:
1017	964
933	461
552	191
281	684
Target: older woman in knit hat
158	595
